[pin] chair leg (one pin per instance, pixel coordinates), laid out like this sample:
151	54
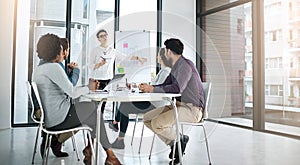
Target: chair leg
141	138
115	105
73	142
84	138
47	148
206	142
136	120
182	128
174	149
35	144
75	146
151	146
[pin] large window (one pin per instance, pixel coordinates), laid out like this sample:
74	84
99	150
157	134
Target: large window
282	72
281	59
230	31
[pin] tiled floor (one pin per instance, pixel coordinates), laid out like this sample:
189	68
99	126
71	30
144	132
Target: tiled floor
228	146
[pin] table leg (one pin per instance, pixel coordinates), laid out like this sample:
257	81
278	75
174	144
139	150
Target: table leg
98	129
173	103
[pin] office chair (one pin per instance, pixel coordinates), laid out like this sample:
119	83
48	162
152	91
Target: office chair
50	133
207	90
141	139
35	116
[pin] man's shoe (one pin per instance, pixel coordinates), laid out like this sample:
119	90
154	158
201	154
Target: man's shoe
118	144
183	141
111	158
114	127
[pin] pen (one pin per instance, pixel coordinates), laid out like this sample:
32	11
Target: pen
102	58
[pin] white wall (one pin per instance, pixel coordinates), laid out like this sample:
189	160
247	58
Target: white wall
179	21
21	65
6	54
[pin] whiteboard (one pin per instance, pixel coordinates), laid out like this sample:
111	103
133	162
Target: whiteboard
134	43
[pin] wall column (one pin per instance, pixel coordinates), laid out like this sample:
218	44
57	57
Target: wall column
6	55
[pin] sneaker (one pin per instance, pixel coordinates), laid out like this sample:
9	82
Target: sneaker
114	127
183	141
118	144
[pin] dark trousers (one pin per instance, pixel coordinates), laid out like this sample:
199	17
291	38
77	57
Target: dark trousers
84	113
103	84
127	108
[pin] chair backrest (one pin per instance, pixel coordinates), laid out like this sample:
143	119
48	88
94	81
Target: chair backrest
206	89
37	95
30	95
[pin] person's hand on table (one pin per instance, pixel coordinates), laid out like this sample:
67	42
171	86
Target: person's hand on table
146	88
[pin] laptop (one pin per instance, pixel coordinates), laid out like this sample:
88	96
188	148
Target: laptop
114	80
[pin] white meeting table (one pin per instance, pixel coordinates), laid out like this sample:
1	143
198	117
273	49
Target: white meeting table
126	96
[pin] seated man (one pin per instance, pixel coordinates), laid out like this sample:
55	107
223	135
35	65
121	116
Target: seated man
184	79
127	108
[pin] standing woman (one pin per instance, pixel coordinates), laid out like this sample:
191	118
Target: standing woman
102	59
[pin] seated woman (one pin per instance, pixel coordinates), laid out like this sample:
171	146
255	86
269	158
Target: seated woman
60	98
73	75
127	108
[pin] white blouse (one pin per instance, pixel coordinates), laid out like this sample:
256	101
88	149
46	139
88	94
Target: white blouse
161	76
106	71
159	79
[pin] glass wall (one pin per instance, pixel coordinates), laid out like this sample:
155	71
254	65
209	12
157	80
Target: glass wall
88	17
32	22
282	78
229	31
38	17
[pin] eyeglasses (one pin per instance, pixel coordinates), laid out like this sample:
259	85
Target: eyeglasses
103	35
